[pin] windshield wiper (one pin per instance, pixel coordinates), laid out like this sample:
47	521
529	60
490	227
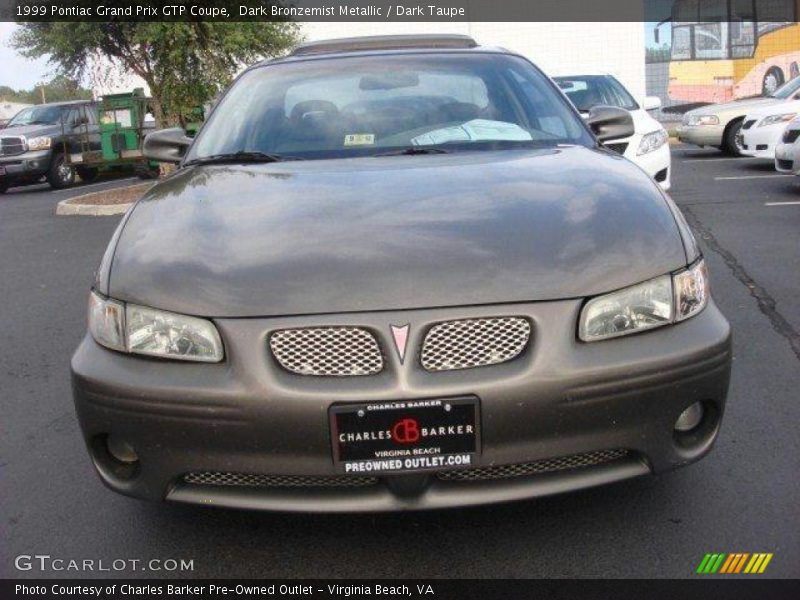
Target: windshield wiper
412	150
242	156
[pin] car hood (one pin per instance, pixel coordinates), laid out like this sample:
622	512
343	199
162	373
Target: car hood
30	131
740	107
792	106
395	232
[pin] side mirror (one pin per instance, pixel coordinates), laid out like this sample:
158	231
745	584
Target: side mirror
166	145
610	122
651	103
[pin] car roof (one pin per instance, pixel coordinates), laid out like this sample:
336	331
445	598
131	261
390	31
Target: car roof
383	44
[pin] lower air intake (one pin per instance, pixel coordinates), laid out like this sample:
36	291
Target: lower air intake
564	463
276	481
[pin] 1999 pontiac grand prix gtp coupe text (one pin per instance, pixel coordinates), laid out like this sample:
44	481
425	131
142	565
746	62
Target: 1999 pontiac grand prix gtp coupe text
397	273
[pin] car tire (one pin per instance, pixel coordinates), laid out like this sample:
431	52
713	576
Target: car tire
60	174
87	174
731	143
4	185
773	79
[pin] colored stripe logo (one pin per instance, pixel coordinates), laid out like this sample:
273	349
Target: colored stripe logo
735	563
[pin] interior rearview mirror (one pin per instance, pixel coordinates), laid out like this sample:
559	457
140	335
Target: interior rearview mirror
166	145
609	122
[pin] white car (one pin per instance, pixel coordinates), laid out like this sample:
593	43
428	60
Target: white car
787	150
763	128
648	147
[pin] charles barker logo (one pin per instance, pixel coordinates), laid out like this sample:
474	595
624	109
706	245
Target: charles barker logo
405	431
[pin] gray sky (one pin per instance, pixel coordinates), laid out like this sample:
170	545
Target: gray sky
18	72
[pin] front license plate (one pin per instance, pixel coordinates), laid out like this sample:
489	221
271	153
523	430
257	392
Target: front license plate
2	170
405	435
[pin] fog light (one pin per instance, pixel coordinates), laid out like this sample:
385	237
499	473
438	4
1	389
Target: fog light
122	451
690	418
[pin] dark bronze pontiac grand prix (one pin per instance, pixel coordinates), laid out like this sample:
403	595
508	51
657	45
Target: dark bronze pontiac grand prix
397	273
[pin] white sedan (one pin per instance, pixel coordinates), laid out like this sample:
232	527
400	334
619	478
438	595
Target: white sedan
648	147
762	128
787	150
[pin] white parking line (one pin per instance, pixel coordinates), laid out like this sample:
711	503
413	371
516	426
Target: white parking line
739	158
781	203
753	176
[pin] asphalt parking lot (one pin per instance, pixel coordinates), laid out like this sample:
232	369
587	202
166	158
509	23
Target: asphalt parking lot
743	497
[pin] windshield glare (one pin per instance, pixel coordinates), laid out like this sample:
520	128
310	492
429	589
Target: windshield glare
586	91
37	115
356	106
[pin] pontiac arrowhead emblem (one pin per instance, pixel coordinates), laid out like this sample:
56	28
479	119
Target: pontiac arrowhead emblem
400	335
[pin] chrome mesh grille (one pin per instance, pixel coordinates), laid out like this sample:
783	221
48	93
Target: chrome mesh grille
327	351
276	481
473	343
576	461
9	146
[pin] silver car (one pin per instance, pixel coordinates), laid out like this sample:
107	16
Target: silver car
719	125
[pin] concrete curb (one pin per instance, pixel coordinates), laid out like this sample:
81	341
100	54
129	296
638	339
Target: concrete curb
78	205
64	208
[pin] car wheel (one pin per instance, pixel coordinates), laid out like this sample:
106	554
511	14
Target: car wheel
87	174
60	174
732	141
773	79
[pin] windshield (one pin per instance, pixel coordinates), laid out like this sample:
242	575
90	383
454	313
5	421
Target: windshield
787	89
586	91
37	115
367	105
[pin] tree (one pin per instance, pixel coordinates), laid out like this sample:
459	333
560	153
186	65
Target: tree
185	64
58	89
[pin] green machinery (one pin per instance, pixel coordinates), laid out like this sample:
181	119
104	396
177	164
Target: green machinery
123	127
109	133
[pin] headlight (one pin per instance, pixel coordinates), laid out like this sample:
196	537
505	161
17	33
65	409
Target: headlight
652	141
141	330
703	120
159	333
772	119
660	301
39	143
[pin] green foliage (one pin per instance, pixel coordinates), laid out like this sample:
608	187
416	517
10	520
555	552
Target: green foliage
58	89
185	64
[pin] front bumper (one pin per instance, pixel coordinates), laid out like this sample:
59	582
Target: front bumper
561	398
760	142
701	135
29	165
786	158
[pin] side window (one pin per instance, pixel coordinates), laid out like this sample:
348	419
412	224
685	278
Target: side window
91	113
73	116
